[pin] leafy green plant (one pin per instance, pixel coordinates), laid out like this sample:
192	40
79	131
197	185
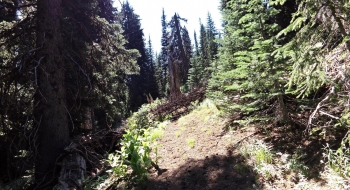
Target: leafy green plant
94	184
296	165
338	160
261	157
267	171
177	133
118	166
137	144
155	151
143	118
135	153
191	142
257	150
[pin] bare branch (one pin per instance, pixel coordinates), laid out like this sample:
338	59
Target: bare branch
71	119
319	105
329	115
36	79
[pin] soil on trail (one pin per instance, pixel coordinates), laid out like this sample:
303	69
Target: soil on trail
196	153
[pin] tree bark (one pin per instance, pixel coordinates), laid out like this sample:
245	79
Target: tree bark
174	79
51	113
283	113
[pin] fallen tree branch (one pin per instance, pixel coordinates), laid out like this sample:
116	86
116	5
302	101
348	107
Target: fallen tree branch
329	115
319	105
180	104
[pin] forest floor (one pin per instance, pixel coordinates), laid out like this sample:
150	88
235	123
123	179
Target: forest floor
196	152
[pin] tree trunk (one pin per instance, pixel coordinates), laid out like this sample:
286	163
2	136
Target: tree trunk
86	126
174	79
51	113
282	111
183	72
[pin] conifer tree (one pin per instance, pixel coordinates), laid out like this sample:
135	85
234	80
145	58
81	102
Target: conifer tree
108	99
320	27
152	86
195	73
160	78
196	44
71	58
138	84
178	62
318	47
320	42
186	41
203	44
250	76
164	57
208	46
211	34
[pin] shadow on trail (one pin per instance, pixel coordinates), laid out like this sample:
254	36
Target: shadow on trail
308	148
216	172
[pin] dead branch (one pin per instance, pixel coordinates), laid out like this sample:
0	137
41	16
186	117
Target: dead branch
319	105
180	104
329	115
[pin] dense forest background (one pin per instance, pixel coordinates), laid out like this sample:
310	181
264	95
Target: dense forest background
69	68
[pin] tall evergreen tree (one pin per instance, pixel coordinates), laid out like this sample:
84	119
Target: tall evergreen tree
67	59
138	84
51	114
320	42
178	62
208	46
159	76
203	44
250	77
17	38
196	72
186	41
320	52
164	57
96	101
196	44
211	34
152	86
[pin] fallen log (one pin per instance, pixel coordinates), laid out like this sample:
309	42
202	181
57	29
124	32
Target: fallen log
180	104
83	155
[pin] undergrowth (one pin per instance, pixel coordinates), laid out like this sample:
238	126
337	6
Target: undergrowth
339	160
274	166
270	165
132	162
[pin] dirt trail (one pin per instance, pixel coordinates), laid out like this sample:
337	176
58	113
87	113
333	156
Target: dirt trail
196	153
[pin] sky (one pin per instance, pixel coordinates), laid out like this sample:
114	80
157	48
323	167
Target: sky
150	12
